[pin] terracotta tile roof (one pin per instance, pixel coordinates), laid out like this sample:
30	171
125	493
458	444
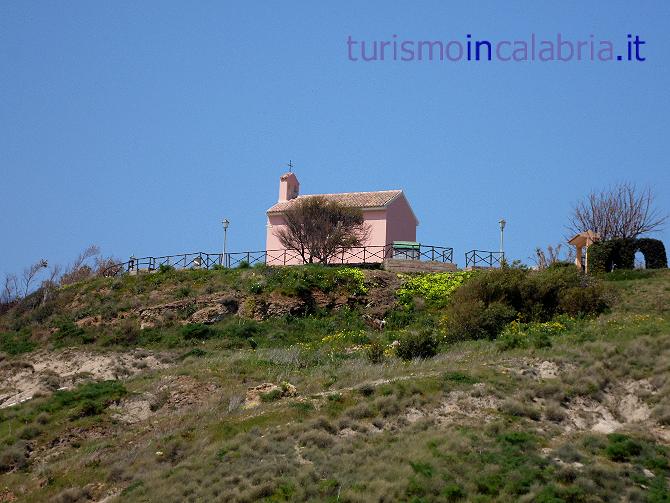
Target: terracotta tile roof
377	199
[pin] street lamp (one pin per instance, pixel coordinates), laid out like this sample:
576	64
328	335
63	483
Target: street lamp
225	223
502	237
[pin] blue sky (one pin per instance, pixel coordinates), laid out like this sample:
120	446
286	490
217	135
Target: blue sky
138	126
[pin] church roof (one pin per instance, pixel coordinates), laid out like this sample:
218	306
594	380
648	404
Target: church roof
378	199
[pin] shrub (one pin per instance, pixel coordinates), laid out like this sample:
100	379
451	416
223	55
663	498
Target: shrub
316	438
622	448
523	335
417	344
517	408
367	390
15	343
183	291
555	413
242	329
126	333
375	351
477	320
605	256
13	457
43	418
73	495
87	408
435	288
70	331
453	492
271	396
457	377
195	353
96	396
29	432
484	305
256	288
584	301
400	318
301	281
360	411
197	331
352	279
654	253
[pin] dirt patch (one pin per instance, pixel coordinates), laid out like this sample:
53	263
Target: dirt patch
133	410
43	372
202	309
539	369
186	391
381	298
621	406
587	414
272	306
462	404
268	391
456	406
170	393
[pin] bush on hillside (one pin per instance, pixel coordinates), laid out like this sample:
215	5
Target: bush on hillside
435	288
68	331
582	301
534	334
614	254
420	344
375	351
14	343
302	281
197	331
490	300
477	320
654	253
242	329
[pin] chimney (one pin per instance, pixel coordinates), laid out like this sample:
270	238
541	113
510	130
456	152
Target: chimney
289	187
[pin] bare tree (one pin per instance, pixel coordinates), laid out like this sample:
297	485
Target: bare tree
50	285
29	275
16	289
10	290
622	211
79	269
551	256
317	229
107	266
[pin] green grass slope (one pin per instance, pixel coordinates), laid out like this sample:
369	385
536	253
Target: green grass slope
552	407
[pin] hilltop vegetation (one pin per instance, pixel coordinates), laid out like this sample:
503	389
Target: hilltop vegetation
489	386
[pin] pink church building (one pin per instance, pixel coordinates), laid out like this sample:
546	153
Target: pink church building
387	213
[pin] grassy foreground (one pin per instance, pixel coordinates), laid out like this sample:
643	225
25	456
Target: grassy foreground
574	409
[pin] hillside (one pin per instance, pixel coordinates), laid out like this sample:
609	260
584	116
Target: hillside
300	384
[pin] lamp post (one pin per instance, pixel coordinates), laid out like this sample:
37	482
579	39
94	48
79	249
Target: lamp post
502	238
225	223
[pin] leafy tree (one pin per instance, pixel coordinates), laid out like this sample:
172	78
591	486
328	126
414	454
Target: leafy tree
318	228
